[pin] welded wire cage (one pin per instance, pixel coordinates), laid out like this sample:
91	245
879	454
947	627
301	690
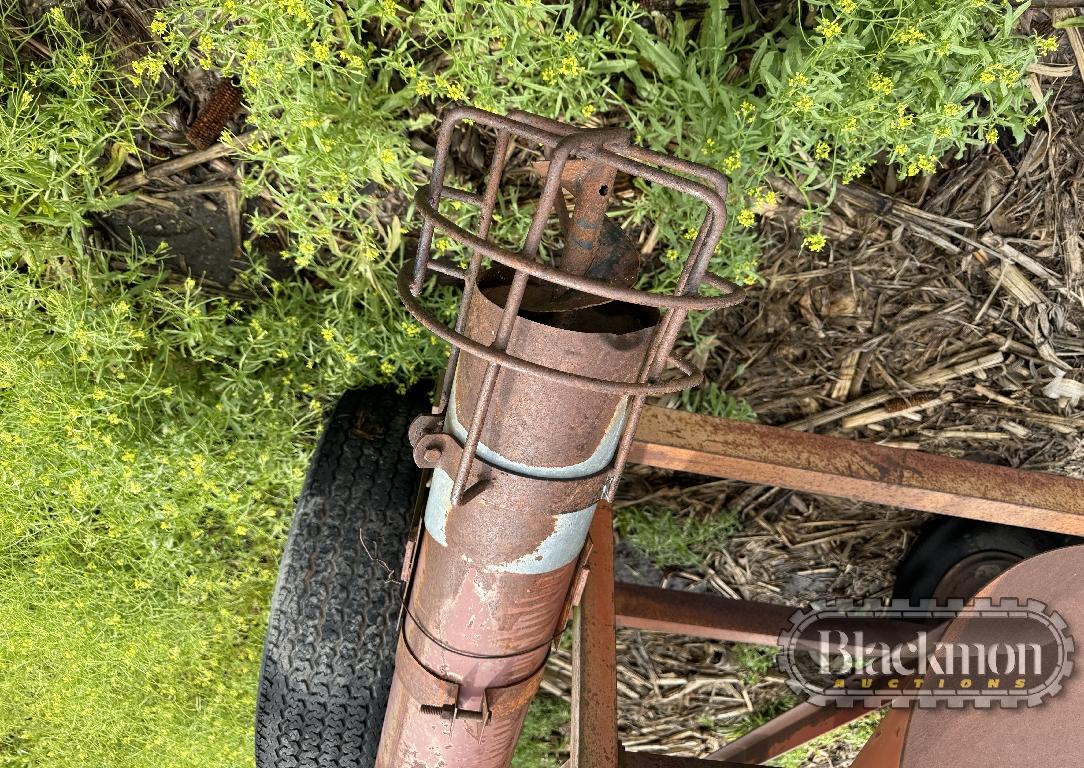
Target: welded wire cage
611	150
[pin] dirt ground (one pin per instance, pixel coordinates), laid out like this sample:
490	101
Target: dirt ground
945	316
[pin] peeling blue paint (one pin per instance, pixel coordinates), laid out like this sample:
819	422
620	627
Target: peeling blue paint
596	462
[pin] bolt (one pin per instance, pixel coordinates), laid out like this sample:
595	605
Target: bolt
432	455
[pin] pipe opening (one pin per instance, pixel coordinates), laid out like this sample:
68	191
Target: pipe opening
557	307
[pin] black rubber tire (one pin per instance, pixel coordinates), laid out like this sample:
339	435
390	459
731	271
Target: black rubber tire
330	646
945	541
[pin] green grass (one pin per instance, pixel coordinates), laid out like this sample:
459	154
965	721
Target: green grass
545	734
670	537
754	662
854	734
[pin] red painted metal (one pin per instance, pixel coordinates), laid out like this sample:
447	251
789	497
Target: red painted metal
885	747
795	727
650	760
736	621
1048	735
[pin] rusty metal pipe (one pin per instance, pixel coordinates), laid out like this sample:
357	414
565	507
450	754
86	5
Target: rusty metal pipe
495	571
550	369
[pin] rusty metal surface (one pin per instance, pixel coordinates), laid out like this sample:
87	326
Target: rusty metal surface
548	371
601	153
487	596
542	405
736	621
593	741
885	747
837	467
1048	735
791	729
555	425
650	760
699	615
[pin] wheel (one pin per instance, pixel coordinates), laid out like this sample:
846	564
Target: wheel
330	646
955	557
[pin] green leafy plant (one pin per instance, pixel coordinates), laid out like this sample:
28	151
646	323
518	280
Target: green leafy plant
672	538
904	81
545	733
754	661
62	140
710	398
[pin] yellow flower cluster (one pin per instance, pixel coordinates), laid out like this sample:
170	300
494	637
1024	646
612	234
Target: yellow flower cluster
804	103
149	67
815	242
921	164
764	199
878	83
1046	45
295	8
570	67
746	217
910	36
822	151
829	28
360	62
451	89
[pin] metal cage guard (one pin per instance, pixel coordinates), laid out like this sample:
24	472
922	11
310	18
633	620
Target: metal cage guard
608	147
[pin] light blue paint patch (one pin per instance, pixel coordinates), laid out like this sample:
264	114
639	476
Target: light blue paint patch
596	462
559	548
438	505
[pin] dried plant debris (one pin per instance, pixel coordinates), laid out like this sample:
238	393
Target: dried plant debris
946	317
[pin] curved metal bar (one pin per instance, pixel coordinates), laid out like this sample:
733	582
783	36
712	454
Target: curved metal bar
505	360
594	287
715	178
